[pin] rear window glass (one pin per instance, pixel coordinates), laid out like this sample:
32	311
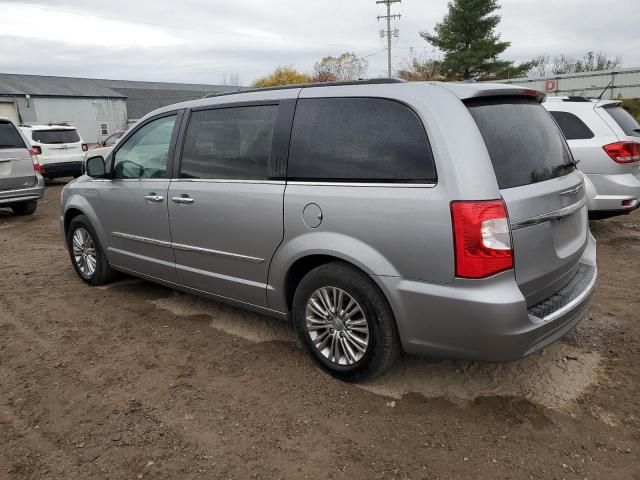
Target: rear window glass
359	140
9	136
572	127
55	136
627	123
523	141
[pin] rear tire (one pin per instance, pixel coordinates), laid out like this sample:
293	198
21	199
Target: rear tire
345	323
86	253
25	208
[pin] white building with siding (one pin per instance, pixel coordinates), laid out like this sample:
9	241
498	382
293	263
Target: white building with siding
623	82
97	108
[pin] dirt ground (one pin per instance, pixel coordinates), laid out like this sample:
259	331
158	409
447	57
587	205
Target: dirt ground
133	381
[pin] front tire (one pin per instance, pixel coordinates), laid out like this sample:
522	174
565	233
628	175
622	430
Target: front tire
86	253
345	323
25	208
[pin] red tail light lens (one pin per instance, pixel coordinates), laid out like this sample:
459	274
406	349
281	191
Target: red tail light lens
482	238
34	152
85	147
623	152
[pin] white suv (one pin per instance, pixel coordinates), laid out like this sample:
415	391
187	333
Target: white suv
605	139
60	149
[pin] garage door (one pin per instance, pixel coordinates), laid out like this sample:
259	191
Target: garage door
8	110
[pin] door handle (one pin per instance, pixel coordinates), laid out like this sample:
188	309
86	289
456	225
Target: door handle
183	200
152	197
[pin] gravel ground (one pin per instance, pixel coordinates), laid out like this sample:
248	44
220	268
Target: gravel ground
133	380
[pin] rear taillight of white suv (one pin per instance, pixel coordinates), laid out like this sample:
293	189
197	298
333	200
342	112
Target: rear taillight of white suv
623	152
482	238
34	158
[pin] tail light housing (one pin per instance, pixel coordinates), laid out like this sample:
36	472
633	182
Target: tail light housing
623	152
482	238
34	152
85	147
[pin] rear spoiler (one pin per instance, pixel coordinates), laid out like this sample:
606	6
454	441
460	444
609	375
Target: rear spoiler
511	92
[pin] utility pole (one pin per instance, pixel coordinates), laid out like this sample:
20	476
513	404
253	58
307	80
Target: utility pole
388	17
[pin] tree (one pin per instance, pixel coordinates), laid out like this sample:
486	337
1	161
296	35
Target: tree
468	40
346	67
418	69
282	76
544	65
232	79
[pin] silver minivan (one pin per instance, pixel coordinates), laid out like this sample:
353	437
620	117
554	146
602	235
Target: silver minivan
21	185
445	220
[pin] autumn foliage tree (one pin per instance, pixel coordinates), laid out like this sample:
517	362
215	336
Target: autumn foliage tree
282	76
345	67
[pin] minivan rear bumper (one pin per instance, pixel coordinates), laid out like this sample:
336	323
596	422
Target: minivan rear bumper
9	197
487	319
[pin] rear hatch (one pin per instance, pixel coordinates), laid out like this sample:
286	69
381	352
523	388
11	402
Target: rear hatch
58	145
16	166
625	127
543	191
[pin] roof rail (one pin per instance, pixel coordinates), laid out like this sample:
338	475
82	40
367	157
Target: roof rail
372	81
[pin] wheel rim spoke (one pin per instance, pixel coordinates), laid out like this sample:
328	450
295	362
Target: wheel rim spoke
84	252
337	326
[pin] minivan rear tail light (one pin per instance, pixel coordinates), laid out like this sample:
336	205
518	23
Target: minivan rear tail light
85	147
37	150
623	152
482	238
34	158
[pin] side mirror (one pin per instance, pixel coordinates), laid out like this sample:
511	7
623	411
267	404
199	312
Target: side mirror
94	166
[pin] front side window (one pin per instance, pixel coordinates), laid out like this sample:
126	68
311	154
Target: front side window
229	143
145	153
359	140
572	127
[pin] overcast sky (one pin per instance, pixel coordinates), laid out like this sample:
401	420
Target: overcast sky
200	41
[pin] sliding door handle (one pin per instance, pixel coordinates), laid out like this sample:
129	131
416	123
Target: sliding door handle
183	200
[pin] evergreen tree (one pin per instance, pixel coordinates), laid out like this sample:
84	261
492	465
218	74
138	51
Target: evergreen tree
468	40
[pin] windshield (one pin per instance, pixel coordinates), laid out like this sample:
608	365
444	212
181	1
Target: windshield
627	123
523	141
9	136
55	136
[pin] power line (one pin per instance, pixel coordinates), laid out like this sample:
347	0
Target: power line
388	17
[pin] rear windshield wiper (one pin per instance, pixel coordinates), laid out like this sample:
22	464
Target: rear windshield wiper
569	165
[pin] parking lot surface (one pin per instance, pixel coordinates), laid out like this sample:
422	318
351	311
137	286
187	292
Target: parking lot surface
133	380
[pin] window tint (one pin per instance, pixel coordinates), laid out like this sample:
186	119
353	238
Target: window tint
359	139
145	153
9	136
523	141
572	127
628	124
229	143
54	137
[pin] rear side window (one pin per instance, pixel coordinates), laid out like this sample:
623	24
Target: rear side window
627	123
9	136
572	127
523	141
359	140
229	143
54	137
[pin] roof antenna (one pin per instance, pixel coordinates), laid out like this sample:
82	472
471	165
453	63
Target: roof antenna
605	89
